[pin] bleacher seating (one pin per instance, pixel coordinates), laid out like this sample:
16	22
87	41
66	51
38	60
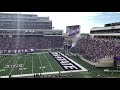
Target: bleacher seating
30	42
94	49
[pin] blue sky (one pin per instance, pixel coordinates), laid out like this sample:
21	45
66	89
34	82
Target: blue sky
87	20
106	17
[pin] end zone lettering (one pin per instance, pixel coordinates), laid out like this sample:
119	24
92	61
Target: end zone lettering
66	64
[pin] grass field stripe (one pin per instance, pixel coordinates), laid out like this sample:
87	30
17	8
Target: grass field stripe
7	63
40	62
23	65
14	64
48	62
32	64
57	63
3	59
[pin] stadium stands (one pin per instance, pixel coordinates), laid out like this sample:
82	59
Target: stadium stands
24	21
94	49
25	33
28	42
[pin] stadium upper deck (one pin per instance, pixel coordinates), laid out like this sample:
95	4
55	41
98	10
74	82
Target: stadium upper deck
26	24
18	31
24	21
112	29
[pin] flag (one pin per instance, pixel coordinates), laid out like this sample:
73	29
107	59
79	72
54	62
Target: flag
73	32
14	51
32	50
73	44
8	51
26	50
18	51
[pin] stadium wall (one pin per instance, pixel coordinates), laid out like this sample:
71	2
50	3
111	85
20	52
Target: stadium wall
105	62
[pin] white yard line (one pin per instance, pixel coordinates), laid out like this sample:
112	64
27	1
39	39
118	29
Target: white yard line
57	63
7	63
3	59
40	63
32	64
14	64
23	65
48	62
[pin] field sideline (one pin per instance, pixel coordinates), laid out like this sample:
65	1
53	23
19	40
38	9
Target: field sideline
33	63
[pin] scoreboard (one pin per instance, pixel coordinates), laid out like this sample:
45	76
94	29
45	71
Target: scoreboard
71	28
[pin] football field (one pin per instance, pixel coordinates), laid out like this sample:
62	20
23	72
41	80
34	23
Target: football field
28	64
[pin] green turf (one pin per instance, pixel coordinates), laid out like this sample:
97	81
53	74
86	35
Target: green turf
54	63
93	72
32	63
44	62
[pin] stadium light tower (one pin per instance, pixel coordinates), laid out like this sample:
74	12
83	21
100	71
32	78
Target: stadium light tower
66	43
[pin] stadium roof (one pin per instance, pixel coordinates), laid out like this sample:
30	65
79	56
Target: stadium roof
105	28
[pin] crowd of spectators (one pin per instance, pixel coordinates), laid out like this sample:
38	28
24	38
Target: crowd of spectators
28	42
94	49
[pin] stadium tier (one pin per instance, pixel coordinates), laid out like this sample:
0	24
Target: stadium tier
24	21
30	47
30	42
95	49
27	32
